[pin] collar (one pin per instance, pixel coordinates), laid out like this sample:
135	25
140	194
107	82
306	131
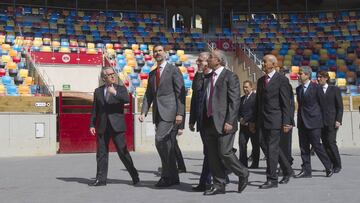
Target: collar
163	64
325	86
306	85
219	70
249	94
271	74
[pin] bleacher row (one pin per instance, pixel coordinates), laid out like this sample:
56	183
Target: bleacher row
14	74
96	27
328	41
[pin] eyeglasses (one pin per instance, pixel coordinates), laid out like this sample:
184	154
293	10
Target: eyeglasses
109	75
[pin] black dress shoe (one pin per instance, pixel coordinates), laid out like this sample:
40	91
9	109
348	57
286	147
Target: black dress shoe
135	180
199	188
285	180
337	169
329	172
97	183
166	182
214	191
243	181
303	174
268	184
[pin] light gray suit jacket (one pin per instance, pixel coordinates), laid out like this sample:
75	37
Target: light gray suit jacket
226	101
169	98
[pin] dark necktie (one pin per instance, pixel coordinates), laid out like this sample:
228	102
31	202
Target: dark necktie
209	107
267	79
107	94
157	77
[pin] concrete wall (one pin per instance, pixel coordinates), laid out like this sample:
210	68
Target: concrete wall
17	134
348	135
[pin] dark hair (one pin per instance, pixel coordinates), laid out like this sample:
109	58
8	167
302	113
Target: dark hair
323	74
248	81
158	45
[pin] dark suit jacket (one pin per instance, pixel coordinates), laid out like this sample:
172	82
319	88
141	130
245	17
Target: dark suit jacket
111	111
333	110
273	103
196	98
225	100
247	109
169	99
310	106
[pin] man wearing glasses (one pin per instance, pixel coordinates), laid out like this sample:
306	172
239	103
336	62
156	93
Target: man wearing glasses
108	121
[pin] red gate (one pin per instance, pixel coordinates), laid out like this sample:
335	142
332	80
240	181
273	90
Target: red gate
74	135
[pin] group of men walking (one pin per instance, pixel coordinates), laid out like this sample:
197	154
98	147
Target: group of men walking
266	117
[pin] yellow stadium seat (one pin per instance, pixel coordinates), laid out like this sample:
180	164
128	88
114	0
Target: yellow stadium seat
135	47
144	83
64	50
5	47
90	45
341	82
127	69
122	76
332	75
24	90
24	73
6	58
183	69
180	52
110	52
295	69
109	46
28	81
91	51
45	49
131	62
11	65
129	56
183	58
2	88
128	51
13	53
140	91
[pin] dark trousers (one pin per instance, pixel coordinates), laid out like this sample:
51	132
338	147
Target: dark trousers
285	145
244	136
307	137
274	155
328	137
165	144
102	153
179	157
221	154
205	177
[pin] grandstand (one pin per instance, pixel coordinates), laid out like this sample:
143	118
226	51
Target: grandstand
51	56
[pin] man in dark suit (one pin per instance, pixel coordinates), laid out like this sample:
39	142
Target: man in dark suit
219	112
197	96
332	118
166	93
247	119
310	121
272	117
108	121
286	138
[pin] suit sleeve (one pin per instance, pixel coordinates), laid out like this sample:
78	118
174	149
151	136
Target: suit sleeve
93	112
285	101
193	107
148	97
233	93
179	90
122	95
339	105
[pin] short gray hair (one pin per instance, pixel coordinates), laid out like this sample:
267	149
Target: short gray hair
103	71
205	54
221	56
306	70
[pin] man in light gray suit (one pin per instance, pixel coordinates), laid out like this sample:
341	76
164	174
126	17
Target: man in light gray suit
166	93
219	113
